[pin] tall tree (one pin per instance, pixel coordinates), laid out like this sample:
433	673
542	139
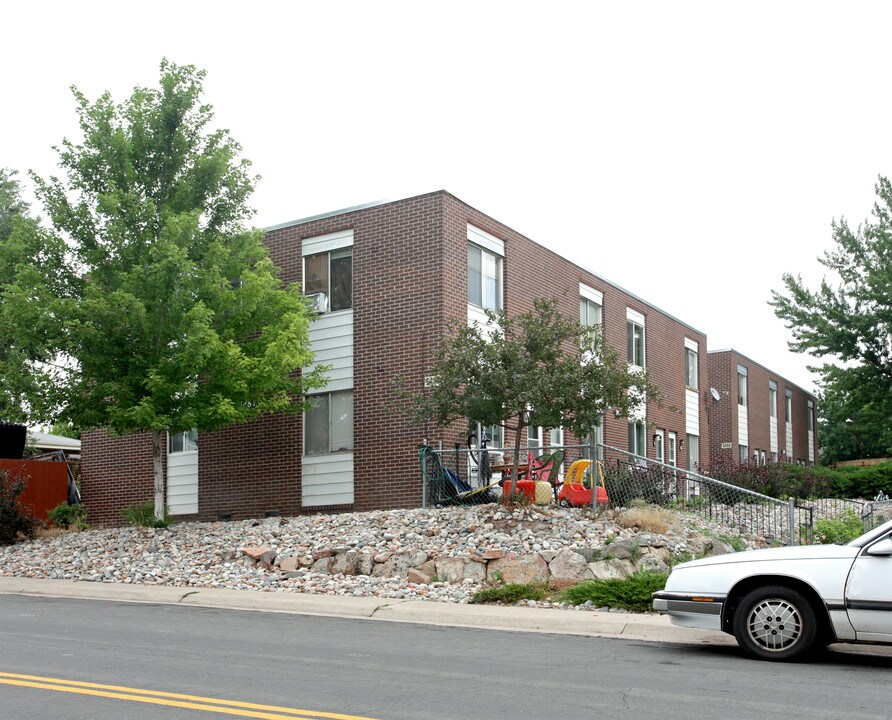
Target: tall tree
26	343
849	319
535	368
169	313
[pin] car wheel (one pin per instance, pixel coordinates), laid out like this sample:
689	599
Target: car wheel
775	623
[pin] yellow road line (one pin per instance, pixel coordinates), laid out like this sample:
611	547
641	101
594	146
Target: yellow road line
155	697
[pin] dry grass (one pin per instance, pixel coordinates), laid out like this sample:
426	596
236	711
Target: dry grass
651	519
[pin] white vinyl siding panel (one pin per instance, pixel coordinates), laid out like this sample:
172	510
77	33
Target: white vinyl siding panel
789	449
743	435
691	412
182	483
331	338
327	480
772	429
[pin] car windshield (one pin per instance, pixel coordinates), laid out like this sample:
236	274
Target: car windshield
871	535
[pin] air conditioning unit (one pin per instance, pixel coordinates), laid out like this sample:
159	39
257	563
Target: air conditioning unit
320	302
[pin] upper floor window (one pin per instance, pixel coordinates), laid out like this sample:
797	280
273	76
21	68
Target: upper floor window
690	368
182	441
484	278
635	337
328	424
788	406
741	385
328	279
772	399
810	417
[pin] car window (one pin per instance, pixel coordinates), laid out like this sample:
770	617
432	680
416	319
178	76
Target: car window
872	535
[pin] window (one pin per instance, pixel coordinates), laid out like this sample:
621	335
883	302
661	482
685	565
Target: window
534	438
741	385
182	441
328	425
637	441
810	417
742	453
772	399
693	447
328	279
690	368
788	406
484	278
635	343
590	314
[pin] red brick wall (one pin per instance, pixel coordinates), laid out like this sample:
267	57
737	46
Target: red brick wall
723	374
410	279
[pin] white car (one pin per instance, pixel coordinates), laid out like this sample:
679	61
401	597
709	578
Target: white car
782	602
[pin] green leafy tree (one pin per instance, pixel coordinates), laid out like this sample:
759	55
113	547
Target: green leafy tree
166	312
850	322
535	368
25	341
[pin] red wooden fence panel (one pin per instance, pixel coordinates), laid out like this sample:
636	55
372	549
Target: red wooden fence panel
47	484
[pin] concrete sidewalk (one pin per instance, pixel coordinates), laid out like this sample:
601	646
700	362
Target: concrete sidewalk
492	617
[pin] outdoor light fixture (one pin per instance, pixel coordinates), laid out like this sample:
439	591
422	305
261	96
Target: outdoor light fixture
681	444
656	437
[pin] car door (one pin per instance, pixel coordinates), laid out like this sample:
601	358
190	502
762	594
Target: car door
869	592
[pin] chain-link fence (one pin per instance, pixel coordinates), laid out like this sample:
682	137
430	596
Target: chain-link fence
608	476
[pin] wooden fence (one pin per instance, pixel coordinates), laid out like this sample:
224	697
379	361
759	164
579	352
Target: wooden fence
47	484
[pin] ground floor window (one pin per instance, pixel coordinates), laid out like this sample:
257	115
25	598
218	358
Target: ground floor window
182	441
328	425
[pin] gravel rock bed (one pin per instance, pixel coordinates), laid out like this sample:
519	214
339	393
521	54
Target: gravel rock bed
212	555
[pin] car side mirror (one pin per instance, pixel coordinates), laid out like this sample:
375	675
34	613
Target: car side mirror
882	548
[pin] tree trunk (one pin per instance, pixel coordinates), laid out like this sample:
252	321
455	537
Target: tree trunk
157	446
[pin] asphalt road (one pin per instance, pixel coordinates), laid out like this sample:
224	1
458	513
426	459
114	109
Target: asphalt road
389	670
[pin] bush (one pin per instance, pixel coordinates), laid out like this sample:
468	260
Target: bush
511	593
143	515
863	482
632	593
777	480
69	517
13	519
841	529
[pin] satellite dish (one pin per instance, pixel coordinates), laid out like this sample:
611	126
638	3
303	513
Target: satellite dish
715	394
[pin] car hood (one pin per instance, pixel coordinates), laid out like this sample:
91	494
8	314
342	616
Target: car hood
802	552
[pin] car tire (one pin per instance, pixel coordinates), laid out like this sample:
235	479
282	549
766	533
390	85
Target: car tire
775	623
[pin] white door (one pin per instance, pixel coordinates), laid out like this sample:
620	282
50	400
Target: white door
869	597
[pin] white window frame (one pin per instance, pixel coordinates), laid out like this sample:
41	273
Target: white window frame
492	252
339	244
188	442
636	343
691	361
742	386
331	425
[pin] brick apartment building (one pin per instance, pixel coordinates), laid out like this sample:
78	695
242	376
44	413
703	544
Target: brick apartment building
758	416
387	278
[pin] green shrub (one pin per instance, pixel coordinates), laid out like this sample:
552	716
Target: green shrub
69	517
13	518
632	593
511	593
863	482
841	529
143	515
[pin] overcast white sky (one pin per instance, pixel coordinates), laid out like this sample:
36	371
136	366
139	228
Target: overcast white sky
690	152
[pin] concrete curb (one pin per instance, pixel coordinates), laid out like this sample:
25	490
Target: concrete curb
655	628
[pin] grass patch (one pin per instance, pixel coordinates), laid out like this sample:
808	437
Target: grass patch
143	515
650	519
511	593
632	593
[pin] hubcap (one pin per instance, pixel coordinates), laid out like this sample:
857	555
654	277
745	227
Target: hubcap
775	625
